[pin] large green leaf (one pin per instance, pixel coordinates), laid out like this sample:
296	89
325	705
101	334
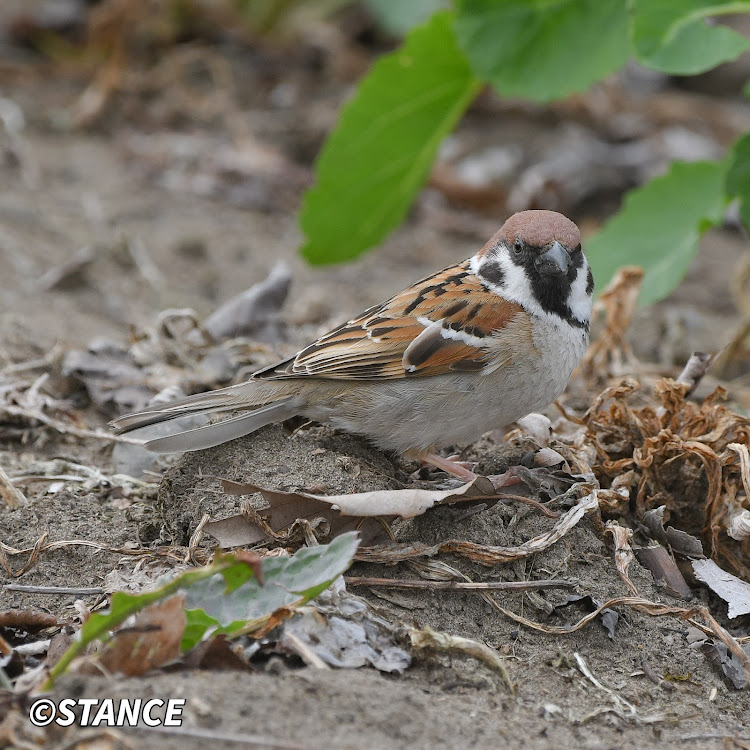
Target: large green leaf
659	226
543	49
378	156
738	177
673	36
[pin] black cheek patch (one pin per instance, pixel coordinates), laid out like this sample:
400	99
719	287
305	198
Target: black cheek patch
590	283
492	273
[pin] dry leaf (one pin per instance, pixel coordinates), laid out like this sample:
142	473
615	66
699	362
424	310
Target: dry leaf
663	567
344	631
152	641
255	312
734	591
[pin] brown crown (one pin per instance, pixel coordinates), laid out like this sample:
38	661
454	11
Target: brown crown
539	228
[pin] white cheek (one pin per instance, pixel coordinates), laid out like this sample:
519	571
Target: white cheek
580	302
515	286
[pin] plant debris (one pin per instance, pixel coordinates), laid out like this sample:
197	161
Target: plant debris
735	592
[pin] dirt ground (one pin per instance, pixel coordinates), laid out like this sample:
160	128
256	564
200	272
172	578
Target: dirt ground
93	188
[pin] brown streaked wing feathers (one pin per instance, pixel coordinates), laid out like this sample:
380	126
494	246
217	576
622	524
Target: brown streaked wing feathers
387	339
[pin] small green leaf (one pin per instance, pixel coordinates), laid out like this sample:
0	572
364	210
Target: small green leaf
674	37
659	227
397	16
738	177
377	158
543	50
288	581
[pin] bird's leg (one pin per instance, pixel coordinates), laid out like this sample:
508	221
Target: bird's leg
456	468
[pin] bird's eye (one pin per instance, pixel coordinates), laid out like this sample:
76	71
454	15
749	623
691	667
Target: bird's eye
578	248
518	246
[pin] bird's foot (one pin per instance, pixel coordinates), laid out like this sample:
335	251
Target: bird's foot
460	469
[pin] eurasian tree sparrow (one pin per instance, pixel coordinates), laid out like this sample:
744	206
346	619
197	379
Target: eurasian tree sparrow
471	348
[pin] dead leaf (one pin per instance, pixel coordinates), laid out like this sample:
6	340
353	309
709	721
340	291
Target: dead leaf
152	641
730	665
734	591
680	542
255	312
342	512
427	638
29	620
610	354
215	654
663	567
343	630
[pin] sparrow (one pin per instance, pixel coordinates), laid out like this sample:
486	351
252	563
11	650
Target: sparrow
471	348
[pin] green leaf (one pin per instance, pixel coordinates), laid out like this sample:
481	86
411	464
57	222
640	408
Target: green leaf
225	594
377	158
397	16
659	227
198	622
287	581
543	49
738	177
673	36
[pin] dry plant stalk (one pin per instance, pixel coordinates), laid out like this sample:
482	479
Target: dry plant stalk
34	553
482	553
438	641
9	493
623	552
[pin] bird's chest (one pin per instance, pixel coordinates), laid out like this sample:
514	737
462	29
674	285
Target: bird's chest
536	373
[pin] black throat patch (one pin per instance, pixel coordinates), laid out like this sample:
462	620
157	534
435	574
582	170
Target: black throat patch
551	292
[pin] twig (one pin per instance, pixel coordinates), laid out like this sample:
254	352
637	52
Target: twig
543	509
65	429
35	364
695	368
195	539
40	547
396	583
432	639
12	496
305	653
662	683
145	263
618	700
77	591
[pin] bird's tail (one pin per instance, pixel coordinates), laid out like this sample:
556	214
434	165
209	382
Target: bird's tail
213	402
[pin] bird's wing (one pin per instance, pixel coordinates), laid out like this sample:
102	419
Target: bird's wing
445	323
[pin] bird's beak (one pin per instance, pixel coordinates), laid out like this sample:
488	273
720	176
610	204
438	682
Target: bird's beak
554	262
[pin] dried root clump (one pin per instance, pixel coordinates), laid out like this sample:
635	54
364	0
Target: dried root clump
691	457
